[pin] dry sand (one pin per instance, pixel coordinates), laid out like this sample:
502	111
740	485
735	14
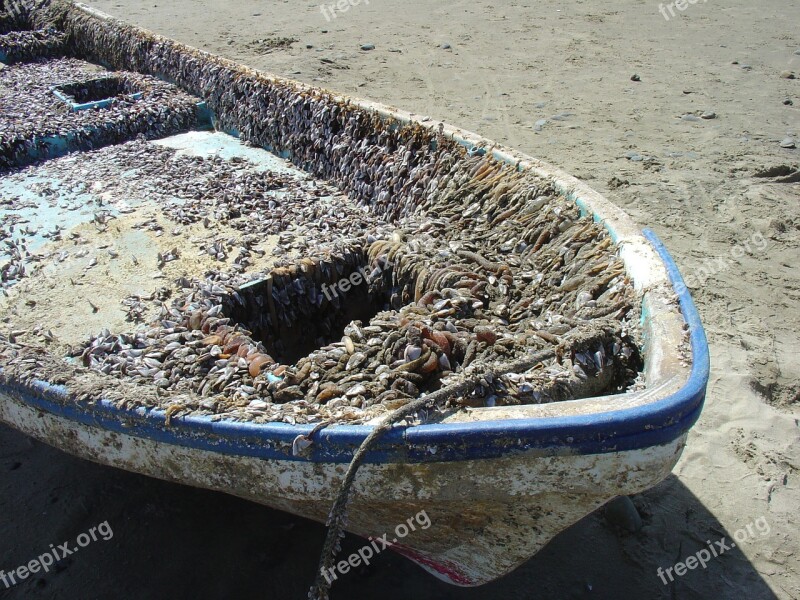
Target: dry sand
554	81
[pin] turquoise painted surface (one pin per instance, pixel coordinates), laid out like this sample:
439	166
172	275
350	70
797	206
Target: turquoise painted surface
44	212
42	201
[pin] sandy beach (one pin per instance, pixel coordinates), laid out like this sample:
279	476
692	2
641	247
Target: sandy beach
686	116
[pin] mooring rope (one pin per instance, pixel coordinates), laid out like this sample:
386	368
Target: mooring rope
337	518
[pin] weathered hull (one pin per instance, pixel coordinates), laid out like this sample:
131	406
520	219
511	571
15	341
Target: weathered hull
487	515
496	483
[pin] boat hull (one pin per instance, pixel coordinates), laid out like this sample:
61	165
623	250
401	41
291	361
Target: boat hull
496	483
487	516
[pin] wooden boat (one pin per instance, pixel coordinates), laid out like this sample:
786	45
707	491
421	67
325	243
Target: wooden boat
497	483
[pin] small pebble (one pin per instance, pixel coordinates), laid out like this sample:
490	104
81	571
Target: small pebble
445	46
368	47
709	114
787	143
690	117
635	77
539	125
622	513
788	102
787	75
747	67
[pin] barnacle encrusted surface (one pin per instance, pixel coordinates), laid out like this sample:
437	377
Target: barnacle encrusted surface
31	115
424	265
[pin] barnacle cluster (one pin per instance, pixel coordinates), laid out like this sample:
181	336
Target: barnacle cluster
435	264
35	124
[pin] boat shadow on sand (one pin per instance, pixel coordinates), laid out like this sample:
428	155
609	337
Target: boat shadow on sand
178	542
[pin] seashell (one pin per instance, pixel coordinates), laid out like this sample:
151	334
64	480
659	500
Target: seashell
486	335
232	344
356	360
300	445
328	394
356	390
195	320
583	299
412	353
257	364
213	340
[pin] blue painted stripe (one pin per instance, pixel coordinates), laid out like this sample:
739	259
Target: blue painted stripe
657	423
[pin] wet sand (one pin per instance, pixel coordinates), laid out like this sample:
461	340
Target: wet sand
555	82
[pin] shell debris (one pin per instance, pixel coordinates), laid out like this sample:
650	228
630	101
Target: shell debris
403	262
